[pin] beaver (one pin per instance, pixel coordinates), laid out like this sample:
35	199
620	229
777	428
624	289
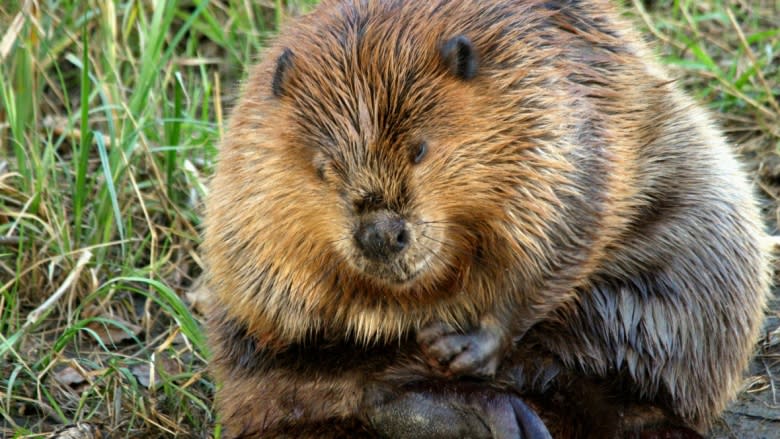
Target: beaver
467	219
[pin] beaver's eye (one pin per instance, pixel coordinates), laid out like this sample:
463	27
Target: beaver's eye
420	152
320	165
321	171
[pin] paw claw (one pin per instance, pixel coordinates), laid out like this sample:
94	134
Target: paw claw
431	333
475	353
447	348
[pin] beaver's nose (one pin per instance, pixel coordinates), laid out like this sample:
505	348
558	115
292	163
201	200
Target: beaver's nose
382	234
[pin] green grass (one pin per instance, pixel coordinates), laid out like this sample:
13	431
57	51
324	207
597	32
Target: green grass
110	113
728	55
109	116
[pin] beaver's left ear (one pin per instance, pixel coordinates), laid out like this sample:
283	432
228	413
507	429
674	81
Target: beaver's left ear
461	57
283	66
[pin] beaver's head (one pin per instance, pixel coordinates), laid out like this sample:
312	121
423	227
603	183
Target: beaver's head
388	140
382	143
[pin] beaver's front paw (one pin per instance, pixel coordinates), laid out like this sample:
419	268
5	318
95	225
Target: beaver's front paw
476	353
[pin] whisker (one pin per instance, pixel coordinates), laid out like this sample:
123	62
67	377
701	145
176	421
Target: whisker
421	222
435	254
445	244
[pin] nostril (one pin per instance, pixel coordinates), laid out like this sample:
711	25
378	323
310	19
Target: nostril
402	239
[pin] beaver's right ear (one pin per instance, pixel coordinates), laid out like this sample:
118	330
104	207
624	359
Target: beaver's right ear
283	65
460	56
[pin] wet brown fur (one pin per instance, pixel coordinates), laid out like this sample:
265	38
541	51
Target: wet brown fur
570	191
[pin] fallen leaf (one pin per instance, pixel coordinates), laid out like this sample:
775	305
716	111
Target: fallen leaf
114	334
78	431
143	373
68	376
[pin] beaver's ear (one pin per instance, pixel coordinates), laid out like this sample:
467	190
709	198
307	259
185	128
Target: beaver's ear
460	56
283	65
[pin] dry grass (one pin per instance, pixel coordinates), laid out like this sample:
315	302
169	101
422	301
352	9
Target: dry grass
109	116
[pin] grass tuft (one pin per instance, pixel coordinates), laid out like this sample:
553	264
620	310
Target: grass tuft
110	113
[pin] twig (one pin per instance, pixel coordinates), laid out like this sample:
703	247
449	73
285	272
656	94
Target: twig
771	382
60	128
9	240
39	263
36	314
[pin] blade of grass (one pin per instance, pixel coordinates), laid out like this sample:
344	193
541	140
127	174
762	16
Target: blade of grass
15	123
109	178
279	13
153	57
173	128
171	303
81	155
